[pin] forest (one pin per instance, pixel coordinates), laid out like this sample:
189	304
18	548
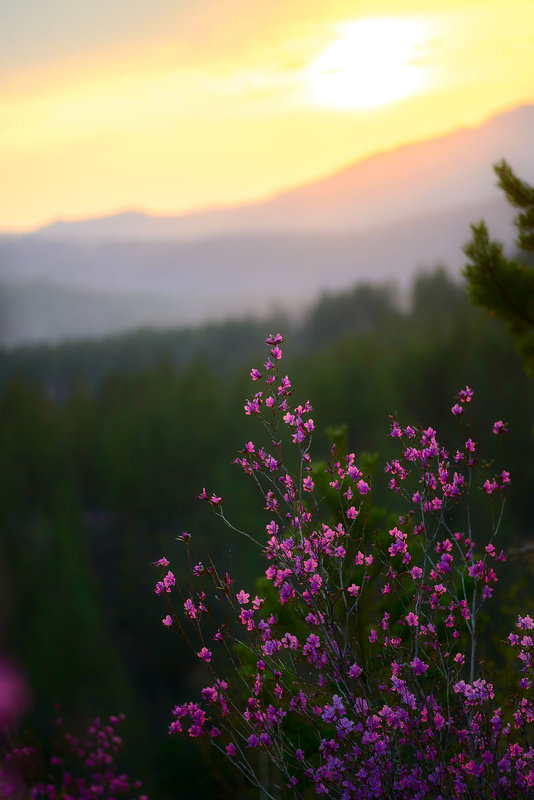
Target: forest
105	446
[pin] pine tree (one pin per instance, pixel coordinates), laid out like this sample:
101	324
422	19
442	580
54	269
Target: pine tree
503	286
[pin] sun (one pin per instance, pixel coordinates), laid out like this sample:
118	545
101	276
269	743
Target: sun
372	62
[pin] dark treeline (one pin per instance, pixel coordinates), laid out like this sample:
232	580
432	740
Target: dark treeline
222	346
105	445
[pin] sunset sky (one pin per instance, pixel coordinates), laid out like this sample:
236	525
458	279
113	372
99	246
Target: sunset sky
166	105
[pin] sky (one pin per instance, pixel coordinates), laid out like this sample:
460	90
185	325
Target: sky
167	106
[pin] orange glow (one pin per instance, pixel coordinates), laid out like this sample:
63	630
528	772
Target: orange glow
249	100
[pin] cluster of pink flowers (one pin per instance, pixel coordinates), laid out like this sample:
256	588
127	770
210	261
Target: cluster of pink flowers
85	768
361	679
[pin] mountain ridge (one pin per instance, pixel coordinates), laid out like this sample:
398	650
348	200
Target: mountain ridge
431	175
381	220
55	290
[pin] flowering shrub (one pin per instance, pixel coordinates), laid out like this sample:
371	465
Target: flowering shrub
86	771
356	672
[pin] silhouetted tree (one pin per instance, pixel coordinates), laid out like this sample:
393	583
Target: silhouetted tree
505	286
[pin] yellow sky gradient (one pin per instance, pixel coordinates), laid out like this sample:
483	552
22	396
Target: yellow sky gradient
167	112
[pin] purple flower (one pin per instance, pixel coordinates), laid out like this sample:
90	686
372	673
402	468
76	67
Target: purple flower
499	427
419	667
205	655
190	609
466	395
355	671
396	431
274	338
416	573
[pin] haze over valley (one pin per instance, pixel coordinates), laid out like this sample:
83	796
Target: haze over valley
382	219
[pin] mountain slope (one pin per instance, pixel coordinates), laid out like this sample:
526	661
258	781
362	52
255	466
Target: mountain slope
437	175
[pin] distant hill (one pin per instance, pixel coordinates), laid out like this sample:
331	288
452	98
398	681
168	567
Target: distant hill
383	219
440	174
54	290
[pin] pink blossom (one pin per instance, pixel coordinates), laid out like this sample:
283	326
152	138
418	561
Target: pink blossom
190	609
274	338
416	573
419	667
355	671
466	395
169	580
396	430
205	655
